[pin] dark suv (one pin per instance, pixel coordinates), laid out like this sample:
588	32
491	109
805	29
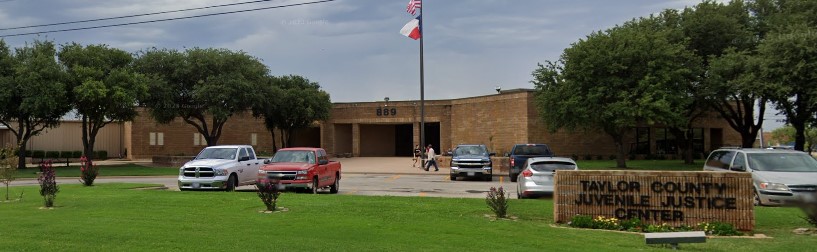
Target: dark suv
521	152
471	160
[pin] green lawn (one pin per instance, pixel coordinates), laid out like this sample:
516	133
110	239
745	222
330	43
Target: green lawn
104	170
114	217
642	165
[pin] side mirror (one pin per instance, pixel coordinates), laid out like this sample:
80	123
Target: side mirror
243	159
323	162
507	154
449	153
266	161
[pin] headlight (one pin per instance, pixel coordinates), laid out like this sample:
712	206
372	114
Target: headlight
220	172
774	187
302	172
181	171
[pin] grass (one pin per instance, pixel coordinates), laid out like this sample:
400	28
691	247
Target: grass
104	170
642	165
115	217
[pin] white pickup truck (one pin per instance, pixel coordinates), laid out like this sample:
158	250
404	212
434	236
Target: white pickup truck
222	167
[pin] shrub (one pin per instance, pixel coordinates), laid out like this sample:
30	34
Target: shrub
48	183
599	157
88	171
8	167
631	157
612	157
653	228
574	156
588	157
718	228
28	153
269	191
38	154
497	201
100	155
581	221
66	154
632	225
606	223
76	154
52	154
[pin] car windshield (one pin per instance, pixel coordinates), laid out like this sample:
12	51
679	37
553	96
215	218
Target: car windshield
538	150
552	166
294	156
217	153
470	150
782	162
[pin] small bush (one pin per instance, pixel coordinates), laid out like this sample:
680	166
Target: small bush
599	157
631	157
588	157
88	171
38	154
497	201
575	157
581	221
66	154
28	153
632	225
76	154
52	154
269	191
100	155
719	228
48	183
612	157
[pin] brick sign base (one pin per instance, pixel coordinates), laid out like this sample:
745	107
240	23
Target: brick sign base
656	197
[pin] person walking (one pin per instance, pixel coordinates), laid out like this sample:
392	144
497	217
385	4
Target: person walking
432	159
417	155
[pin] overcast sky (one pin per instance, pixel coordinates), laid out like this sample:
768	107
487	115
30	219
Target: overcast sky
353	48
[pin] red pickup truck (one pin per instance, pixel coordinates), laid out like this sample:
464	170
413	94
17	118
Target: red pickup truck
302	168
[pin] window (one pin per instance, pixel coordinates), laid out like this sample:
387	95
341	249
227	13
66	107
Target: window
196	139
642	141
152	138
254	139
160	138
243	153
740	162
665	142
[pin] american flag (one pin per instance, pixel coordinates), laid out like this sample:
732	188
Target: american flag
413	5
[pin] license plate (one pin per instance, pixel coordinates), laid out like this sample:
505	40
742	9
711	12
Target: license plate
195	185
470	174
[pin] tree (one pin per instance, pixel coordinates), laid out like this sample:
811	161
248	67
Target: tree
269	107
200	83
789	60
615	80
297	103
32	92
724	36
8	167
105	88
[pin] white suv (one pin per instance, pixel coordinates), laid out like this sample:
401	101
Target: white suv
780	176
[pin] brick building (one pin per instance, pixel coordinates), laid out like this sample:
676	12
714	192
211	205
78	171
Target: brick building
392	128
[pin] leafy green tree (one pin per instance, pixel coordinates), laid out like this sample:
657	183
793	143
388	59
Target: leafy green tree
297	103
616	80
105	88
724	36
268	108
200	84
789	60
32	92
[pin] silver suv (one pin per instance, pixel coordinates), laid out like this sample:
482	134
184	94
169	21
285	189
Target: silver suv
780	176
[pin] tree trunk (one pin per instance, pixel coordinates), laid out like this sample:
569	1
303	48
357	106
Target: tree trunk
621	153
799	135
274	148
283	141
21	154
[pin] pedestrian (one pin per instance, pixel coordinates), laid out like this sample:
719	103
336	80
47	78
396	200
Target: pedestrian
417	155
432	159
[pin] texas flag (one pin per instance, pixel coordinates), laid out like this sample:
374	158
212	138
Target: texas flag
413	29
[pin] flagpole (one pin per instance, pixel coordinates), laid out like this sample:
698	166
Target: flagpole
422	87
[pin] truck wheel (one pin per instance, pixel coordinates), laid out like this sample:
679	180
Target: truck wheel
231	183
756	200
453	177
513	177
314	185
334	187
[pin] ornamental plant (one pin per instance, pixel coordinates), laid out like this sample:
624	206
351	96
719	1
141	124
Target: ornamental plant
269	191
48	183
88	170
8	167
497	201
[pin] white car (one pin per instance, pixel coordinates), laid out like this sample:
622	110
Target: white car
536	179
223	167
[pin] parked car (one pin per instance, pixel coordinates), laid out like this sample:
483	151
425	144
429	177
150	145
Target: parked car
521	152
303	168
779	176
223	167
537	177
471	160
